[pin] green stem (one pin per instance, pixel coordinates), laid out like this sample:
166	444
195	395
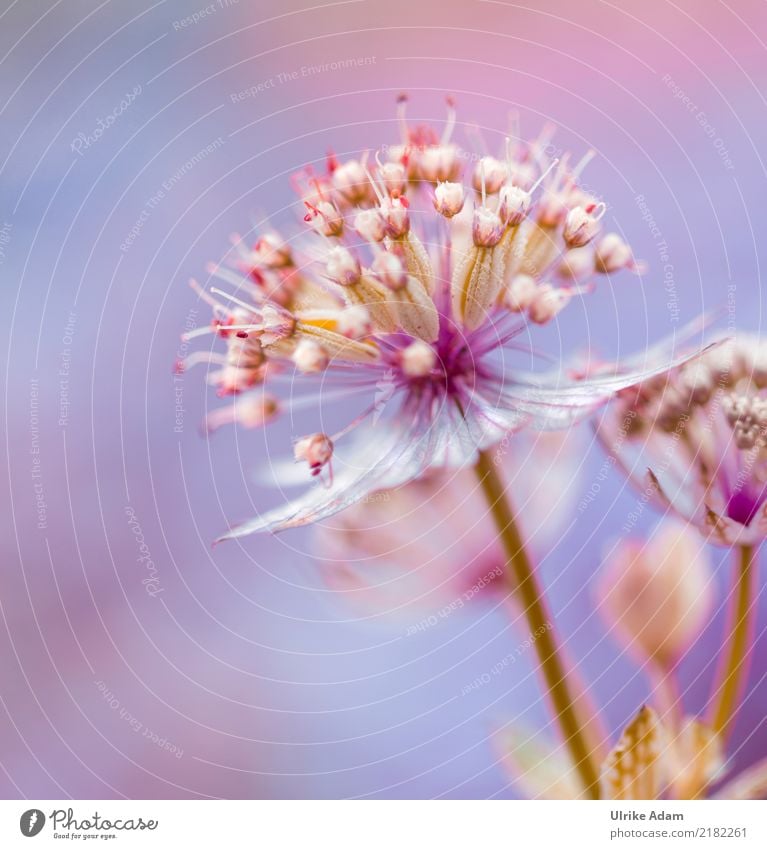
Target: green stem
544	640
733	669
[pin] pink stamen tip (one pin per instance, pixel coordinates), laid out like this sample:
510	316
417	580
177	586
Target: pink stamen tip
241	334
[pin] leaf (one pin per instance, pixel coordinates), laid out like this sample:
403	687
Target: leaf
632	770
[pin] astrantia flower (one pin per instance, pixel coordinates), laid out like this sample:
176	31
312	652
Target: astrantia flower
413	291
696	440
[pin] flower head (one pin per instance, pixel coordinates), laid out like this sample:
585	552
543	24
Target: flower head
696	440
413	288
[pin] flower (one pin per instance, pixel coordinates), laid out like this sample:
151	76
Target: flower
447	287
430	545
695	439
658	592
652	759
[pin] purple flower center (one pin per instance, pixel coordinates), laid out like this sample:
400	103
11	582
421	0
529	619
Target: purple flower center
744	504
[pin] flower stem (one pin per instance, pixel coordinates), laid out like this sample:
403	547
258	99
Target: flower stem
544	640
733	669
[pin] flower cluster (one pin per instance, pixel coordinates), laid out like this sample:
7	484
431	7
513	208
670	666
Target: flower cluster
697	440
416	285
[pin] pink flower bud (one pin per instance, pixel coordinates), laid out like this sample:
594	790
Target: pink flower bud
514	204
582	224
389	269
577	264
394	178
310	357
658	592
494	172
326	219
449	199
396	217
276	324
612	254
272	251
486	227
354	322
251	411
316	450
370	225
418	359
438	163
548	303
351	182
342	266
521	293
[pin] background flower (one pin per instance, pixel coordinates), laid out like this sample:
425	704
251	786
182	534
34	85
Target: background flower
430	547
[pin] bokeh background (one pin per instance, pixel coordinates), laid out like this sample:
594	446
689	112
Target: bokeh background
239	673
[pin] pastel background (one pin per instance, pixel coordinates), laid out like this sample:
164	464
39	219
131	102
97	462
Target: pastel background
245	676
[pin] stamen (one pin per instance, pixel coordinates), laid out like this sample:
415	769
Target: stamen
553	164
401	113
234	300
373	183
224	274
450	125
204	295
581	166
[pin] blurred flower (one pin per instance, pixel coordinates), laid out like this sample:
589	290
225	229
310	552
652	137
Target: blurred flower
658	592
651	760
431	544
696	440
438	281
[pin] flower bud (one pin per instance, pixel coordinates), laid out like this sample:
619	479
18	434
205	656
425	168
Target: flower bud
486	227
342	266
394	178
354	322
449	199
276	324
390	270
370	225
251	411
658	592
548	303
582	224
612	254
272	251
438	162
521	293
326	219
418	359
396	217
577	264
494	173
316	450
351	182
310	357
514	204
